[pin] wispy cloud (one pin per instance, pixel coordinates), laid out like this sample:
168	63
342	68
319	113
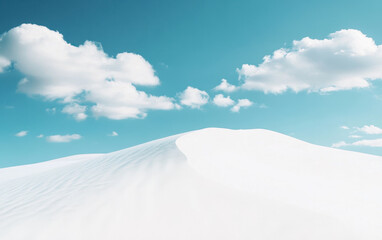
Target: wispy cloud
113	134
51	110
21	134
63	138
355	136
366	142
339	144
369	142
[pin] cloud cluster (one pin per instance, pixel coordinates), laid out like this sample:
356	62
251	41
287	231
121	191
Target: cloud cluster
193	97
79	75
366	129
63	138
222	101
346	59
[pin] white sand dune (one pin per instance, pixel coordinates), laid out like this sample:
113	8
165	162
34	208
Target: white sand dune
208	184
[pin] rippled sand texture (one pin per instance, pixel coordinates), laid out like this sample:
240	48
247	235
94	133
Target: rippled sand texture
207	184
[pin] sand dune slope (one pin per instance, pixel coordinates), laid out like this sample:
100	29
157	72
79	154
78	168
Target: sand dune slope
207	184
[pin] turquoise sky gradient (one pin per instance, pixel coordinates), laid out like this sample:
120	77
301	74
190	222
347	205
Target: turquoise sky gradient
189	43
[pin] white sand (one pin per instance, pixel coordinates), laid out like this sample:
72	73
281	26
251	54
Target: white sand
208	184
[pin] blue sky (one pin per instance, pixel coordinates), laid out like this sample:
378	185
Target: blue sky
308	90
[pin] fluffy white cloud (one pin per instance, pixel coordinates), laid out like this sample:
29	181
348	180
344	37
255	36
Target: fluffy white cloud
76	110
21	134
113	134
194	97
63	138
40	136
345	127
225	86
120	100
370	129
221	101
346	59
241	103
82	74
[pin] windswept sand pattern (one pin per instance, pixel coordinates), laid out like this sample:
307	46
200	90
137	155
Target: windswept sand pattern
206	184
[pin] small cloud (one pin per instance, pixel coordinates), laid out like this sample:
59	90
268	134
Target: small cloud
163	65
369	143
194	97
339	144
40	136
241	103
81	116
262	105
113	134
76	110
225	86
21	134
51	110
354	136
63	138
345	127
221	101
371	129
